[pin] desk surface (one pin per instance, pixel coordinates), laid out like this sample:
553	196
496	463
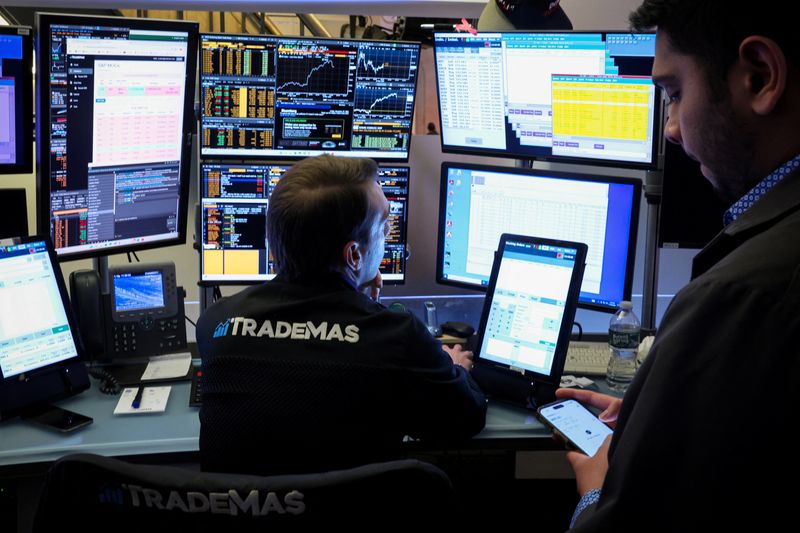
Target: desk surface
175	431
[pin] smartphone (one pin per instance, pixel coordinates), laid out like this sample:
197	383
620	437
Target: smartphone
574	423
59	419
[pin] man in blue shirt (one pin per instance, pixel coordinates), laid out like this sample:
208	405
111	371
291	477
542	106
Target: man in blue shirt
703	437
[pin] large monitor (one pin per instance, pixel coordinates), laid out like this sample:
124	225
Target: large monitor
40	352
115	106
233	207
293	97
577	97
16	100
478	203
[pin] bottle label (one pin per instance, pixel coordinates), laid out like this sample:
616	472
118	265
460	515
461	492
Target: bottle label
623	340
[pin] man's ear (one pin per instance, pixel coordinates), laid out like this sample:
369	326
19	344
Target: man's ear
353	256
765	71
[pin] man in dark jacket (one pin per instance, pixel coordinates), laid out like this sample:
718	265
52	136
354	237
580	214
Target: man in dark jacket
704	435
308	372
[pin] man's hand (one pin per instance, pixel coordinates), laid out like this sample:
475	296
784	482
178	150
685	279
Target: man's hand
459	356
590	472
609	404
373	287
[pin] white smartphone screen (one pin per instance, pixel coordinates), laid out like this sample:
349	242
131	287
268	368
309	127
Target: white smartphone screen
578	424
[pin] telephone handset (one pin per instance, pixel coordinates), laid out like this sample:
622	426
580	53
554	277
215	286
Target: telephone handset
142	314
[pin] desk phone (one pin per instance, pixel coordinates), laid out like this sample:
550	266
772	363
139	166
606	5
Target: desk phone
142	314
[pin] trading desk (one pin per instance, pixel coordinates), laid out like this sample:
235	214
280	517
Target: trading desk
513	457
174	433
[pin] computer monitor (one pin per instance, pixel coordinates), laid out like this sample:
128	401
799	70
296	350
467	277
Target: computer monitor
576	97
478	203
40	352
16	100
233	223
293	97
235	198
115	106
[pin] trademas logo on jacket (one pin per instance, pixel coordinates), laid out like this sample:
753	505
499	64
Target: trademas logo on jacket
324	331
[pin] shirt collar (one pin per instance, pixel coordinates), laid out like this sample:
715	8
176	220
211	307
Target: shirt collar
756	193
324	279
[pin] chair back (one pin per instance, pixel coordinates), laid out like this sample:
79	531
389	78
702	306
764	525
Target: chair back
95	493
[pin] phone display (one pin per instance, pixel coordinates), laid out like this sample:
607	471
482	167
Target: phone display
59	419
576	424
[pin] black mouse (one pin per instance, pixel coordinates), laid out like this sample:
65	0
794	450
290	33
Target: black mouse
457	329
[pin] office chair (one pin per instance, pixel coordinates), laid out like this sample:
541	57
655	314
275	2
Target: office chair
94	493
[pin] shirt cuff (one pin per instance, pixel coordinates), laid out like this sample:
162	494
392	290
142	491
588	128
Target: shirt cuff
588	499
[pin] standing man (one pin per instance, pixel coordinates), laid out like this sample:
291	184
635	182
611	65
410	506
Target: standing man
307	372
703	437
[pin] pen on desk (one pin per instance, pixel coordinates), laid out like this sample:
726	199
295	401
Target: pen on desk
137	400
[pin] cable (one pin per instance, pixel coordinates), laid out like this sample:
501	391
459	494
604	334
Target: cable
580	329
108	383
190	321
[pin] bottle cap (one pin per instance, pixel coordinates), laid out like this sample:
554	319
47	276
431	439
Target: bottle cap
626	305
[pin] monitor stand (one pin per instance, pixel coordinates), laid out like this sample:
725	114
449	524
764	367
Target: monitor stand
512	388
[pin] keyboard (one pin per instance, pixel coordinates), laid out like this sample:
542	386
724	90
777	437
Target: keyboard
587	358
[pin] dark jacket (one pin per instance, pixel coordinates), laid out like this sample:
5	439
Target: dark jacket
704	438
312	377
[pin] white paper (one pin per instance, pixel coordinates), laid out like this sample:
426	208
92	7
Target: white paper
154	400
174	365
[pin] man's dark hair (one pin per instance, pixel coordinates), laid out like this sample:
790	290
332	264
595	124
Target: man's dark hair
318	206
711	30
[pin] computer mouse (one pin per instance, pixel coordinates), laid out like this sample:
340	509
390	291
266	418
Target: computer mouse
457	329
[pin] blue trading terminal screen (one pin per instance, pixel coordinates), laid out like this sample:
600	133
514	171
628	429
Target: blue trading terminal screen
10	71
482	204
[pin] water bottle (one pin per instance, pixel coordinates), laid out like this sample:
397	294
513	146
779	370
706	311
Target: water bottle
623	339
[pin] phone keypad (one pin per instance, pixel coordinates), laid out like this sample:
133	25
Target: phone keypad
124	338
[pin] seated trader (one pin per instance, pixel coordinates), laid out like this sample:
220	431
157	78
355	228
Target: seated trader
308	372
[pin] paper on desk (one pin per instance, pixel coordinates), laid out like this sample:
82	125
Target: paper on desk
154	400
174	365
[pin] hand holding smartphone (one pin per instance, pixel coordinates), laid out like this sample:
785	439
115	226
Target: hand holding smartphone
575	424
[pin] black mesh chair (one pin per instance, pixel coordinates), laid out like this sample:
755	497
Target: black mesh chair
94	493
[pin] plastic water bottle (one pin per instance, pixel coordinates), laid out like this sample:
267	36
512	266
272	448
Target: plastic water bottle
623	339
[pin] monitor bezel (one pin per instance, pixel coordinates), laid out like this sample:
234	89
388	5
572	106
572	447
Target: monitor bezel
590	161
575	176
43	216
283	157
576	278
73	378
200	219
26	135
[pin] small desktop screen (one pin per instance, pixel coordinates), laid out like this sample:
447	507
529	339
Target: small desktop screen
141	290
531	296
479	203
567	97
16	100
234	206
293	97
34	327
116	98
